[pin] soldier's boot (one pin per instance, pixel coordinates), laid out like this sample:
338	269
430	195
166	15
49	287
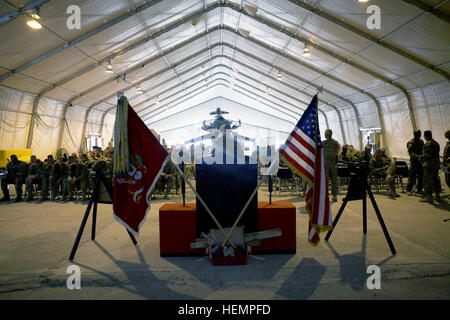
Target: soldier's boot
52	195
427	198
438	198
83	196
5	192
334	198
19	193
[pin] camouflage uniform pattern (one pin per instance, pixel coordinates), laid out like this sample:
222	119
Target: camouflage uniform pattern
16	174
431	165
415	150
330	149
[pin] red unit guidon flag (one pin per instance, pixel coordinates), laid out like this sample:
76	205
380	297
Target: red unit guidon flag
146	160
302	152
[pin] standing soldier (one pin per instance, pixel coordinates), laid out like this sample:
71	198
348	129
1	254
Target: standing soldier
83	175
431	164
446	162
415	150
330	149
16	173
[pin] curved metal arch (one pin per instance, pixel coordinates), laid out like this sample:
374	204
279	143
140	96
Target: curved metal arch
430	9
206	101
276	27
244	94
79	39
379	41
245	65
260	97
149	113
338	57
145	40
29	6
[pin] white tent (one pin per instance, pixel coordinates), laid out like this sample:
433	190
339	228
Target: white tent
190	56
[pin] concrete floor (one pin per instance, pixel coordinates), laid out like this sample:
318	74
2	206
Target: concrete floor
36	239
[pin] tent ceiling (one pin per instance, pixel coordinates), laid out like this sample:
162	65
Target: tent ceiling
165	46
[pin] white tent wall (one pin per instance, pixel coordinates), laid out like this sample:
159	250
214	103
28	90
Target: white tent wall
432	110
73	128
186	125
15	115
333	121
46	127
398	125
350	125
108	128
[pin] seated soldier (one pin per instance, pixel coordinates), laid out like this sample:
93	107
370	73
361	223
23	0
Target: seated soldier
53	169
166	179
83	174
381	168
40	173
366	154
31	178
16	173
71	180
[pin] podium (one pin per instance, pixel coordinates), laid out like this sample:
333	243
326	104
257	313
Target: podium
225	189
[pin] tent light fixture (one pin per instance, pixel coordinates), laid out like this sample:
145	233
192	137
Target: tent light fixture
279	76
139	89
109	68
157	100
35	14
34	24
306	52
363	1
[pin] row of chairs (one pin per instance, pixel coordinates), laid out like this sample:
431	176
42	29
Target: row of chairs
286	181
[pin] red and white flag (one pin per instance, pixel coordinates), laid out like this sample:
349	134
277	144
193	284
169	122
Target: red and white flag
302	152
146	160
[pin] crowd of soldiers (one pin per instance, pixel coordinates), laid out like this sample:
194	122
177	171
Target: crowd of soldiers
424	165
57	178
63	176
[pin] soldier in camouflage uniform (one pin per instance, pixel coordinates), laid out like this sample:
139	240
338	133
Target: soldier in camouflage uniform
446	161
40	172
415	150
29	179
381	168
71	179
366	155
16	173
84	166
64	170
54	172
330	149
431	165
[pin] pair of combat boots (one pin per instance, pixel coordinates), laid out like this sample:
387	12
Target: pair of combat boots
429	198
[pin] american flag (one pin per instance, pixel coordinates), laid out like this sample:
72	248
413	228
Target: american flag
302	152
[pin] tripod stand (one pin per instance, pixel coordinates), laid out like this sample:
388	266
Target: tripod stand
99	179
358	190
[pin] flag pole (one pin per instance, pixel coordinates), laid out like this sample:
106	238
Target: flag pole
202	202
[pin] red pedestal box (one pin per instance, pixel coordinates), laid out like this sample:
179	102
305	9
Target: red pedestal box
277	215
177	229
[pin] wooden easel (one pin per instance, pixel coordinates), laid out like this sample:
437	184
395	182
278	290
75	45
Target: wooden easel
100	178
